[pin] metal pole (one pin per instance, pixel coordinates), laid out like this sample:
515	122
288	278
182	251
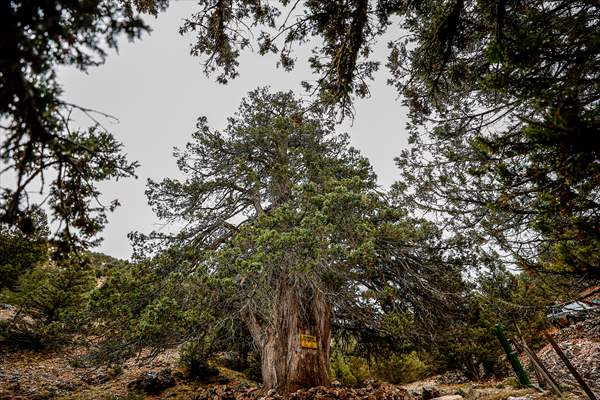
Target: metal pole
512	357
540	368
535	361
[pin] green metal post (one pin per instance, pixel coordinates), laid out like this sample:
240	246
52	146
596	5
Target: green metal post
512	357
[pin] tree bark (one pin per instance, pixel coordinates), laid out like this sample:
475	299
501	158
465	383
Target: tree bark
286	366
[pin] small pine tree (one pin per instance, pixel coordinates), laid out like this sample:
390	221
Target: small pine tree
21	252
48	302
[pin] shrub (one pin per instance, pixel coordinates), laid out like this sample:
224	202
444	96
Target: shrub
20	253
48	302
349	370
193	358
400	368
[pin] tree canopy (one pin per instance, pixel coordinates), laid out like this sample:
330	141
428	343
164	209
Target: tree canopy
502	97
504	117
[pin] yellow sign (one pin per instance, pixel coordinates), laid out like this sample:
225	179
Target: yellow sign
308	342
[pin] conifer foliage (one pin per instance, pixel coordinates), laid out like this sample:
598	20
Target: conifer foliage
282	208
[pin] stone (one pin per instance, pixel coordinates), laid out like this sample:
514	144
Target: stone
449	397
153	382
429	392
96	379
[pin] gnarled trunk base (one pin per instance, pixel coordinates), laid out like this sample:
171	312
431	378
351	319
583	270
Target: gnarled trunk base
286	365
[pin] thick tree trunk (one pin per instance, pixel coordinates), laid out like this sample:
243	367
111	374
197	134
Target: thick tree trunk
286	365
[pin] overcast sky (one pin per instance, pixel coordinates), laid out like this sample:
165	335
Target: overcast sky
158	90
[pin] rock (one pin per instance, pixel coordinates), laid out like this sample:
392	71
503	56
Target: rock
153	382
583	353
429	392
518	398
377	391
218	379
451	377
178	375
450	397
96	379
199	395
67	386
42	395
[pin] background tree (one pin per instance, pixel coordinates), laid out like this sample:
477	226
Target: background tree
503	126
48	303
20	253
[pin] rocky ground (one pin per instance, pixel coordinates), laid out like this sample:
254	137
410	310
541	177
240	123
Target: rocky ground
581	344
35	375
28	374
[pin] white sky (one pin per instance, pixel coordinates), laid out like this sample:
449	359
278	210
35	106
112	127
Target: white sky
158	90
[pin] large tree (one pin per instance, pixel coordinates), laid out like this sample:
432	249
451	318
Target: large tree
282	207
276	201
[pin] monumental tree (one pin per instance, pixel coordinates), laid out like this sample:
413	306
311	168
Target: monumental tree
282	207
281	203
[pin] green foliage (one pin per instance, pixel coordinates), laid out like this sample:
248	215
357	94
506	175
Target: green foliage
503	126
349	370
19	252
502	105
282	171
193	358
400	368
49	301
394	367
254	369
103	263
157	304
347	31
500	297
118	310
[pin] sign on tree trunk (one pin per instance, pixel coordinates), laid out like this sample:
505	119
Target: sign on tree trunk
308	342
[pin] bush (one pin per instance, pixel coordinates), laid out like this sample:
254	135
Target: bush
253	370
193	358
349	370
402	368
48	302
20	253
